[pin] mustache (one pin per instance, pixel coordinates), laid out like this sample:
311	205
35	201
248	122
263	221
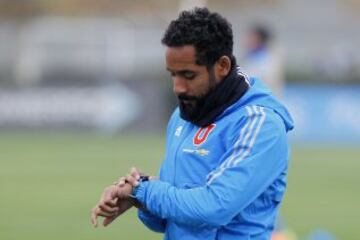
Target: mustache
183	97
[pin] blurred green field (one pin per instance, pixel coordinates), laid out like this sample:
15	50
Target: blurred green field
49	183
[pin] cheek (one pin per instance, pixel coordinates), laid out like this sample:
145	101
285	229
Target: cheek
200	88
201	84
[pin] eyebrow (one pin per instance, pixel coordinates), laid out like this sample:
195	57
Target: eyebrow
181	71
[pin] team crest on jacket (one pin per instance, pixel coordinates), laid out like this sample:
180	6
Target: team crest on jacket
202	134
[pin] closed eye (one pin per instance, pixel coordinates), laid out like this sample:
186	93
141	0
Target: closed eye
189	75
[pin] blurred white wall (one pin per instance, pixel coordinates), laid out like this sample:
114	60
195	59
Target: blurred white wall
314	35
115	43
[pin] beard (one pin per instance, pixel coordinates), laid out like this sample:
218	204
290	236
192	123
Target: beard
203	110
191	107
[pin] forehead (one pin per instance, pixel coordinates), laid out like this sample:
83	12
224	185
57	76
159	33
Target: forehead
181	57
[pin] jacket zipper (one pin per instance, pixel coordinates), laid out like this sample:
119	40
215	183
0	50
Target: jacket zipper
185	133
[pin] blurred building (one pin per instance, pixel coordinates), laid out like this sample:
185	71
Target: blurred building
89	45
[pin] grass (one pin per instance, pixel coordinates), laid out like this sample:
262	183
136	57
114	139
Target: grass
49	183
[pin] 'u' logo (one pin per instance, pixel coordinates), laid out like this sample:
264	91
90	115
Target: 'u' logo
202	134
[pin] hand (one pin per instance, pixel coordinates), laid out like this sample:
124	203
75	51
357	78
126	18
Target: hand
133	178
114	201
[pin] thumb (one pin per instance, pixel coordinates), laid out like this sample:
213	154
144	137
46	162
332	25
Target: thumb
135	172
109	220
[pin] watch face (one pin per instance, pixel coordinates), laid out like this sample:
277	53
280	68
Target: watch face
144	178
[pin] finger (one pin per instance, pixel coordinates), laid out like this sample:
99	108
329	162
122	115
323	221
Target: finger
113	202
94	217
132	181
102	213
121	182
109	209
109	203
135	173
109	220
106	195
110	194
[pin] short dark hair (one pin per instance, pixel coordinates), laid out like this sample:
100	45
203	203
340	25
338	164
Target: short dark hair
209	32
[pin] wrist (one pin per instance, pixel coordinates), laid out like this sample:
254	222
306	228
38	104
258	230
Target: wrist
133	195
124	191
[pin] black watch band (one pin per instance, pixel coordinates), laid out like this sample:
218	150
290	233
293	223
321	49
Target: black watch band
144	178
133	199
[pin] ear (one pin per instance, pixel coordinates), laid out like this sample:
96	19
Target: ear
222	68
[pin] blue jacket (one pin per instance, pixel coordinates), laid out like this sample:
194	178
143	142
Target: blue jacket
225	181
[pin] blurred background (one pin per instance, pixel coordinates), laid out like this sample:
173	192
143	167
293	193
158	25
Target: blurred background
84	96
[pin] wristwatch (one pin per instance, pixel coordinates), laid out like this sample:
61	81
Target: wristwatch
144	178
132	197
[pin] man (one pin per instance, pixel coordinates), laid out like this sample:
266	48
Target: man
225	166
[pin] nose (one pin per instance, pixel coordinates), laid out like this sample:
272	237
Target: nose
179	85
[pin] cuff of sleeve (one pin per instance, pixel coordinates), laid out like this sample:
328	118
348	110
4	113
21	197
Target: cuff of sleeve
145	214
140	191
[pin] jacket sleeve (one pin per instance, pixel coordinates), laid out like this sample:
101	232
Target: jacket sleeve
151	221
257	156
